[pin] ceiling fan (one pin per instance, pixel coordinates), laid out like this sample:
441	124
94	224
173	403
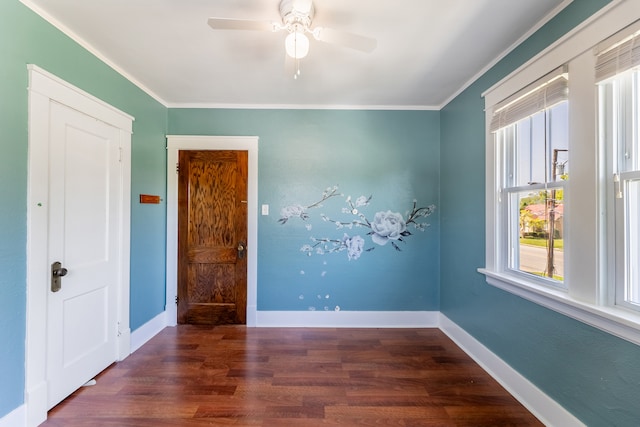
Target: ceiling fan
297	17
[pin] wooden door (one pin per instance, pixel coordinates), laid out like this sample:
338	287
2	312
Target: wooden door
83	240
212	236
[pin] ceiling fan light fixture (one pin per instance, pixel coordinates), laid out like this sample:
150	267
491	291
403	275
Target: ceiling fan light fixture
296	45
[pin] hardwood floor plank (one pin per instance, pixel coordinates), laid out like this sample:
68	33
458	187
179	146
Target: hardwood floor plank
387	412
233	375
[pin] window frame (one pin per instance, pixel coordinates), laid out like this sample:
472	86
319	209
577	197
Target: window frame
622	91
587	255
507	161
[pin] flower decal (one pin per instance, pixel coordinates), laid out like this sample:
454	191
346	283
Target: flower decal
293	211
354	246
387	226
299	211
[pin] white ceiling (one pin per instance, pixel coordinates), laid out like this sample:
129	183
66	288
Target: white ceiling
427	52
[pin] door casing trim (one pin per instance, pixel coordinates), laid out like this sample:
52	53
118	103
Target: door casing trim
45	88
175	143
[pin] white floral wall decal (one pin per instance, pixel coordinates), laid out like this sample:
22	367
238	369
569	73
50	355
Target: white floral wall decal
386	226
299	211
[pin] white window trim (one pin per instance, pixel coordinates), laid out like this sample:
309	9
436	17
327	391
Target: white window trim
619	177
587	299
618	322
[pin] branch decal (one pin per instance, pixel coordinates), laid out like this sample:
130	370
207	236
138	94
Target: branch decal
385	227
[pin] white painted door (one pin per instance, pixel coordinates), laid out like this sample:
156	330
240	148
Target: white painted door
84	222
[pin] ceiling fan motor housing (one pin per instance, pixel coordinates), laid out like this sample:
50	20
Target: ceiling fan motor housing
295	19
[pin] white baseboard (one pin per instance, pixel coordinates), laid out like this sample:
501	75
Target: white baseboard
547	410
348	319
252	320
147	331
15	418
36	404
309	319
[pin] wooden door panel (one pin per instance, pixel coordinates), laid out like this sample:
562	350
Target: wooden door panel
210	255
212	223
211	283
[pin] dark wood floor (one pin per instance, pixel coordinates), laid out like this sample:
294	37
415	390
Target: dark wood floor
232	375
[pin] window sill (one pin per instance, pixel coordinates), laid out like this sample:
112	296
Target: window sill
616	321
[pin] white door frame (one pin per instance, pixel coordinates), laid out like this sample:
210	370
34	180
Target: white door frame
44	89
175	143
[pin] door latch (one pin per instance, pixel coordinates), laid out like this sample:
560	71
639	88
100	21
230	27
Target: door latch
57	273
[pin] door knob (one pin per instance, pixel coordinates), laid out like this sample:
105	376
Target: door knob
60	272
57	273
242	247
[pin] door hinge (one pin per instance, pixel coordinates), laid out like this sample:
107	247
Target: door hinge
176	299
177	167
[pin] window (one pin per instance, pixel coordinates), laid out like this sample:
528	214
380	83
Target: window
563	172
532	145
617	70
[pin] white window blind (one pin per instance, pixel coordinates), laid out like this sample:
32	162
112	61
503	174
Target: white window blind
618	58
540	95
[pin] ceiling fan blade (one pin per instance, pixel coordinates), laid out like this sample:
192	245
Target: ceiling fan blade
353	41
240	24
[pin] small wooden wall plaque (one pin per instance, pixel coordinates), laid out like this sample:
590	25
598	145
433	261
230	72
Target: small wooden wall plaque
148	198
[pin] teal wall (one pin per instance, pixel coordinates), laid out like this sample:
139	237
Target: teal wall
395	157
391	156
590	373
26	38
